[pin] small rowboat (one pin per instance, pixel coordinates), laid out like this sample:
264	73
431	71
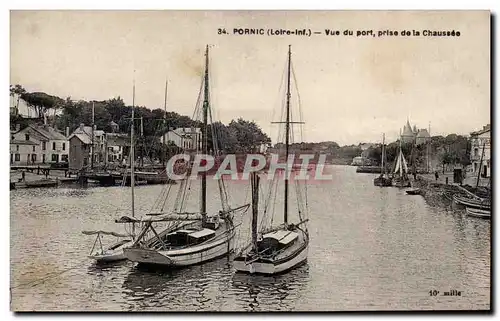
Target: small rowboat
478	203
475	212
414	191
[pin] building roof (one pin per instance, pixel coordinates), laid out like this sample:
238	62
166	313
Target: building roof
81	136
22	142
46	132
407	130
423	133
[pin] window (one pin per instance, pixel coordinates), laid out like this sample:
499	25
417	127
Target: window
54	146
33	158
64	146
27	137
64	158
43	158
17	148
476	151
55	158
17	157
33	148
44	145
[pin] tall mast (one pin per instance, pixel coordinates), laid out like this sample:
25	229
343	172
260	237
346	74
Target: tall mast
382	170
132	156
204	139
428	150
255	208
165	122
92	147
480	165
287	132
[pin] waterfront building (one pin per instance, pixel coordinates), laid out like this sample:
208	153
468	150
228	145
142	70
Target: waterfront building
117	147
47	145
81	147
481	161
185	138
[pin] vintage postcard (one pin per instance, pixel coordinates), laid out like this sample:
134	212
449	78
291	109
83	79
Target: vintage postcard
250	161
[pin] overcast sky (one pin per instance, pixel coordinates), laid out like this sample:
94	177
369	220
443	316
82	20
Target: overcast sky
352	88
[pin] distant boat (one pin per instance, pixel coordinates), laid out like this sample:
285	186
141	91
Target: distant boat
383	180
475	212
36	184
280	248
414	191
400	174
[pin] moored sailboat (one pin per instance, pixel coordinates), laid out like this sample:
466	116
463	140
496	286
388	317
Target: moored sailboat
383	179
276	249
189	237
400	175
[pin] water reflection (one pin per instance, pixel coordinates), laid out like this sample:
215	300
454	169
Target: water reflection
267	293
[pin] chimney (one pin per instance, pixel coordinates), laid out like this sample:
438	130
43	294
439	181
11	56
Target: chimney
67	132
95	127
82	126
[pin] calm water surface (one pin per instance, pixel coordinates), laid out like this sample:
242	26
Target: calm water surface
371	249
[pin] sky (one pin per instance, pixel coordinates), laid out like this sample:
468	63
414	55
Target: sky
352	89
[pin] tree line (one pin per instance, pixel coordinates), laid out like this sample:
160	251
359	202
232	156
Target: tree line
239	136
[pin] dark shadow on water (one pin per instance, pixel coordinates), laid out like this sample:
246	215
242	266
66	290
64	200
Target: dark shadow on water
270	293
156	287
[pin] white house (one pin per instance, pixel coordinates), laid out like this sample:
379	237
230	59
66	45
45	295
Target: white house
480	154
53	146
24	152
117	147
186	138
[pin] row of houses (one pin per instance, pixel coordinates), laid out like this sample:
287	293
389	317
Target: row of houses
42	144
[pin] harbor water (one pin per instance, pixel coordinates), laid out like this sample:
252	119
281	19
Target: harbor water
371	248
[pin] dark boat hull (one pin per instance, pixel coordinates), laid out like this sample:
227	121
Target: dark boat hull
414	191
472	203
382	182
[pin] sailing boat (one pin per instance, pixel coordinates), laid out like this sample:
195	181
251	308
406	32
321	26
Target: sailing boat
115	252
190	237
400	174
276	249
383	179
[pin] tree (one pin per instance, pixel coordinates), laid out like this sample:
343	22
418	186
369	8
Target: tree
248	135
41	102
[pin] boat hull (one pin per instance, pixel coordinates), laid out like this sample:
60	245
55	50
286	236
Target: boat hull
184	257
270	268
475	212
471	203
382	182
414	191
401	183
